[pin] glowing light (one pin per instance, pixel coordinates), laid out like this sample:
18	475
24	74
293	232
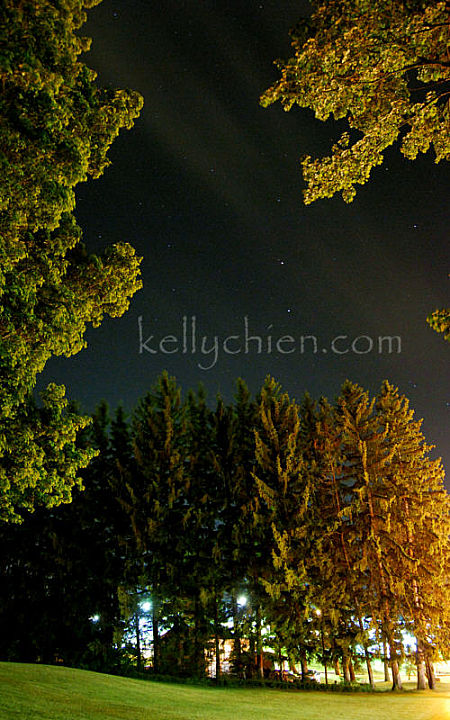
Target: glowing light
94	618
146	606
242	601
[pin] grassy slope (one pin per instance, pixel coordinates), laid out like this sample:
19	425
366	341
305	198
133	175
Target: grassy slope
38	692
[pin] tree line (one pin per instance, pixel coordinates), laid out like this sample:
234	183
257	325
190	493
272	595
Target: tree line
332	519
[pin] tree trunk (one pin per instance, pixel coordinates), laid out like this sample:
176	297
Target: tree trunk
346	668
396	679
430	674
385	662
280	660
250	667
369	669
138	642
195	638
155	627
323	654
366	652
421	667
352	671
217	639
237	649
259	645
385	608
361	624
304	665
199	652
418	606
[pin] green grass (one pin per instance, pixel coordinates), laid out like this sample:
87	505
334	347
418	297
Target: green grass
39	692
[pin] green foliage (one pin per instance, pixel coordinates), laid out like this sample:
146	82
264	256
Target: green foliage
383	67
56	128
156	489
40	457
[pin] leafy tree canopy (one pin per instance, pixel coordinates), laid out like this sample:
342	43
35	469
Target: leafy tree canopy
56	128
382	66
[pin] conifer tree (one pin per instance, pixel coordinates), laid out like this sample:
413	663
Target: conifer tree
202	563
343	577
417	510
287	495
238	527
366	457
156	491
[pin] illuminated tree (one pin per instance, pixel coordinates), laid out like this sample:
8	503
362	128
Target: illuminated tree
57	126
289	513
343	577
416	506
382	66
366	457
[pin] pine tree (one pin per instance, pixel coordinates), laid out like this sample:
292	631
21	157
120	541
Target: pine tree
202	564
288	513
237	529
156	492
417	510
366	457
343	578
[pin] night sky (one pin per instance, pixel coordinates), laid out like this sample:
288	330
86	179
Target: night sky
207	188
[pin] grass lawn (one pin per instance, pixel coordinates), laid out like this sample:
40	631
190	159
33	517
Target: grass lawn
39	692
